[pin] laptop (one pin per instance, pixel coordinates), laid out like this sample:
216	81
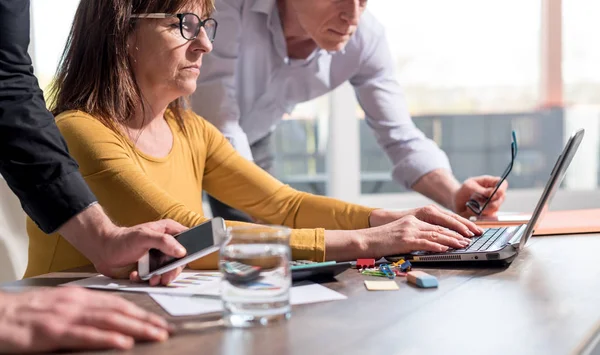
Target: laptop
504	243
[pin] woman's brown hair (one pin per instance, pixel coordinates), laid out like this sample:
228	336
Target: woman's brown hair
94	74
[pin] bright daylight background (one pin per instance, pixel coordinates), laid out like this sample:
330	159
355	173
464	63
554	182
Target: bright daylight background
470	70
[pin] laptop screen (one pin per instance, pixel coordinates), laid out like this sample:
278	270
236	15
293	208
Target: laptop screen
556	177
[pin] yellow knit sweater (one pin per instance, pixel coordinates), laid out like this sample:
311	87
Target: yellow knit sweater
135	188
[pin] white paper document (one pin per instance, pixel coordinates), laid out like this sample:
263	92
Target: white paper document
177	305
187	283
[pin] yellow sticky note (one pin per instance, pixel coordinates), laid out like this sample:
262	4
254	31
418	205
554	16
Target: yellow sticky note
381	285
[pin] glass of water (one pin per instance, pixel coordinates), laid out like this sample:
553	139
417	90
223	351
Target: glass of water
255	264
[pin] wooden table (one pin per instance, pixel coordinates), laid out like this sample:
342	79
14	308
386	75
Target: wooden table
546	302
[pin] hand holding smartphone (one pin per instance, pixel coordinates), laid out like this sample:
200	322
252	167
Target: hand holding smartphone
198	241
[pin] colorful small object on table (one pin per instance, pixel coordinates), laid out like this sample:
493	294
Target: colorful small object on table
422	279
387	271
388	285
368	267
405	266
373	273
365	263
398	263
399	273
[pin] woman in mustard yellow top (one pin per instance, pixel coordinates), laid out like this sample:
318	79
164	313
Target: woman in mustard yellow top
119	96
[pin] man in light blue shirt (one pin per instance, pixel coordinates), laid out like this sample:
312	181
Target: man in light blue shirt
270	55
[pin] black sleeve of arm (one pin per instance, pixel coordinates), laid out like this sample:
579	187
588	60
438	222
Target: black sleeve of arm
34	158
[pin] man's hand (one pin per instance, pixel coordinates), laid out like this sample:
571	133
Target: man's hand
73	318
115	251
480	188
127	245
441	186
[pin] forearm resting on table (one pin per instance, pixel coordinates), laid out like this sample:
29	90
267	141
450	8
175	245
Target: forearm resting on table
439	185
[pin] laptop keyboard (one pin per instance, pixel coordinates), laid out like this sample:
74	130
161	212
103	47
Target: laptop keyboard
486	240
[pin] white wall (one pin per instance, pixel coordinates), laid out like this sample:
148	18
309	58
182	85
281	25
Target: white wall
13	237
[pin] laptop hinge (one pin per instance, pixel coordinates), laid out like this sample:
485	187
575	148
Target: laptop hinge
515	239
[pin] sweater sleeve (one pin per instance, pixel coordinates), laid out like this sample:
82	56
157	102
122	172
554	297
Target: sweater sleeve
241	184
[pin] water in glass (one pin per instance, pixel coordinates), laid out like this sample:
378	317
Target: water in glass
255	289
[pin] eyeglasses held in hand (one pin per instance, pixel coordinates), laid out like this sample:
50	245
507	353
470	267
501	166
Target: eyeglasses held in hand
473	204
189	24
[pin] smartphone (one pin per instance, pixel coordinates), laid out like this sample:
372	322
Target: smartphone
197	241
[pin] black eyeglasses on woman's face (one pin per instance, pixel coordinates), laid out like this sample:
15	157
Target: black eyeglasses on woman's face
189	24
473	204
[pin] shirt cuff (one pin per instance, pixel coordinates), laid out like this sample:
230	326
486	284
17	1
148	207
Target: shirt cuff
411	169
52	205
240	143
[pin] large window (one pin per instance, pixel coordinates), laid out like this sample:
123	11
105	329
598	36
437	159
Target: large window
464	56
581	75
301	146
470	71
581	52
50	26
